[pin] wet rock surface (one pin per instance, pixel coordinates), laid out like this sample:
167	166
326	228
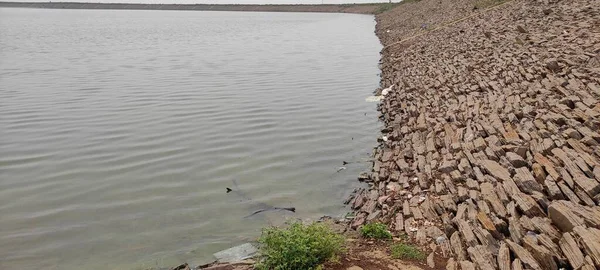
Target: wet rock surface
493	133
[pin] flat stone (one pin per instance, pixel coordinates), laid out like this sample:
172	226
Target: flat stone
466	265
481	256
237	253
527	204
517	265
495	169
590	239
524	255
547	164
457	246
448	166
526	182
538	172
467	233
561	214
503	257
571	250
399	222
430	261
451	264
540	253
516	160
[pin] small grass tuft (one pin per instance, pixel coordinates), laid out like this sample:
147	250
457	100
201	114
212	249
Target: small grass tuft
375	230
302	247
407	252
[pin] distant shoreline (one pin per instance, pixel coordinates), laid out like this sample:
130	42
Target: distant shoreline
341	8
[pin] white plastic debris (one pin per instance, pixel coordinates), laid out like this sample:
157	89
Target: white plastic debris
440	239
384	138
386	91
374	98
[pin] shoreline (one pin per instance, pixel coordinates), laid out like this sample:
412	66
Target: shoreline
490	152
326	8
489	157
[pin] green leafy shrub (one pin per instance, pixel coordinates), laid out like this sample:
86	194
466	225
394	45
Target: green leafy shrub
375	230
301	247
407	252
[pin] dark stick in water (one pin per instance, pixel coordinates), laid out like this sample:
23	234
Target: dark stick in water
263	206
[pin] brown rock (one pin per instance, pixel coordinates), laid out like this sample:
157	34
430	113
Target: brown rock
552	190
358	221
516	160
490	195
527	204
571	250
487	224
482	257
568	192
503	257
466	265
540	253
399	222
544	226
590	186
448	166
524	255
525	181
572	133
430	261
547	164
495	169
561	214
517	265
457	246
538	172
590	240
467	233
552	65
550	244
451	264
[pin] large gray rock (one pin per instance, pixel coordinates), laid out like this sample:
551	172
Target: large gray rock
237	253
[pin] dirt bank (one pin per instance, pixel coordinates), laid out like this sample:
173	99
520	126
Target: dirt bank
350	8
490	155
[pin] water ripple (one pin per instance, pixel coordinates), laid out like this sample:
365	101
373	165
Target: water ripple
119	131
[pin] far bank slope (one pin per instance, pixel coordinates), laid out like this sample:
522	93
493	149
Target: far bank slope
347	8
491	155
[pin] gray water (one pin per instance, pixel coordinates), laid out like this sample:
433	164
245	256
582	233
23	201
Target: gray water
120	130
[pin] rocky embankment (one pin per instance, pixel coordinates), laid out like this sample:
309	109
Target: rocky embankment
353	8
490	154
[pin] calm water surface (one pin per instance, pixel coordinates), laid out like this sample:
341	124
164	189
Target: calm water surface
120	130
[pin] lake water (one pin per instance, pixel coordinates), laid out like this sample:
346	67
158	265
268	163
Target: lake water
121	130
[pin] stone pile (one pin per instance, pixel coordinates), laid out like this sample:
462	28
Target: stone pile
490	154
